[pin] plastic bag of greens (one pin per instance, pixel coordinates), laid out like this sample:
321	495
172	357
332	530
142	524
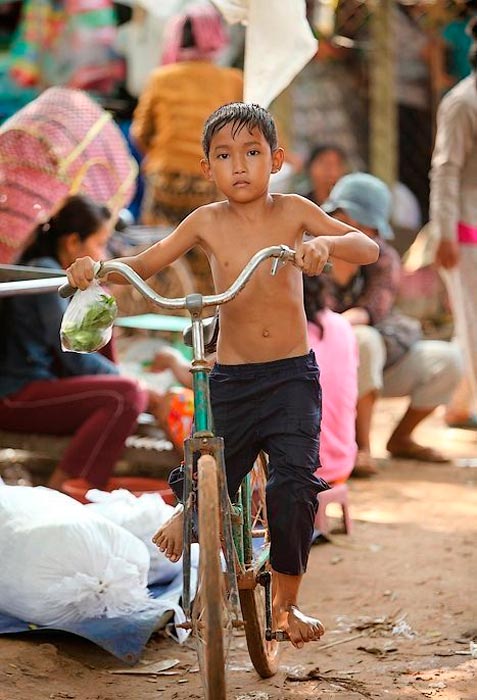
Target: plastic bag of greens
87	324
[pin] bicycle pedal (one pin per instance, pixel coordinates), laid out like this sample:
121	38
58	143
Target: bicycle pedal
277	636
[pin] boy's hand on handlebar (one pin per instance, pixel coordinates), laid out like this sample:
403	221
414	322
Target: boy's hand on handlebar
311	256
81	272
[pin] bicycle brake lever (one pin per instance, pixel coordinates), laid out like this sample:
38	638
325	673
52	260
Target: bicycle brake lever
275	265
278	261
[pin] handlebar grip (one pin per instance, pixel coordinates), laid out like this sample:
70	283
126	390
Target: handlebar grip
327	267
66	290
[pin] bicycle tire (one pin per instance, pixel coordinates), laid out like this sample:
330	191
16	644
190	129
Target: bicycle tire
207	616
263	654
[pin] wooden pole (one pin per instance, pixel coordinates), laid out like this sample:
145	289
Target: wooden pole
383	118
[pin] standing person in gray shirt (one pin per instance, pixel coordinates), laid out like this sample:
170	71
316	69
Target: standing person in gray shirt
453	213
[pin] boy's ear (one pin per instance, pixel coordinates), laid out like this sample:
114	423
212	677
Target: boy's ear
205	167
278	157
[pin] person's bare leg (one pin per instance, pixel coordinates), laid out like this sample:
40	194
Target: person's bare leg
365	465
170	536
287	616
462	404
57	478
364	415
401	444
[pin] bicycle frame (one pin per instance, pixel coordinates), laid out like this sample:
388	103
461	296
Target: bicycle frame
236	517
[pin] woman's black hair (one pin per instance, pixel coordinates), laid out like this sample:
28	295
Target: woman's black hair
79	214
321	148
188	39
471	29
314	297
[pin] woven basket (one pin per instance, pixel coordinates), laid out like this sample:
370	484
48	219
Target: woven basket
61	143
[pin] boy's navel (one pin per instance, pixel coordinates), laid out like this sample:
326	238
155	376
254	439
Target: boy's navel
266	333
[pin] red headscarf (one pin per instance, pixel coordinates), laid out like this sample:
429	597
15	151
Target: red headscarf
210	35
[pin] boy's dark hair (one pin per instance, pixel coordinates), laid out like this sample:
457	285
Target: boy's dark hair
240	115
79	214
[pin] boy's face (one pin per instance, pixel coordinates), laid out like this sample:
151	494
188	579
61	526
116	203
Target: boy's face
241	164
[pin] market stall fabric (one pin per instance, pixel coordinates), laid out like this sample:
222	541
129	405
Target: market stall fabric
60	143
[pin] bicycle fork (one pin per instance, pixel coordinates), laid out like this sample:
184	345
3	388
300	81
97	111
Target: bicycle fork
207	444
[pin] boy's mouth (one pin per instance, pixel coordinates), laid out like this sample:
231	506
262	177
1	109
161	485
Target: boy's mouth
241	183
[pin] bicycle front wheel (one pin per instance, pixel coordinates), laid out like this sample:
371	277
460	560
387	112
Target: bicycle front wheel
208	614
263	654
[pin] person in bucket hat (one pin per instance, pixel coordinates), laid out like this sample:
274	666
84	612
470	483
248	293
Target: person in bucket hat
364	198
394	360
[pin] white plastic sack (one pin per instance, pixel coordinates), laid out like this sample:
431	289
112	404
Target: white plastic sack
87	324
142	516
62	562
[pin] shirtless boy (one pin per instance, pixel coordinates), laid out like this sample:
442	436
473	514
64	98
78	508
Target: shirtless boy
265	388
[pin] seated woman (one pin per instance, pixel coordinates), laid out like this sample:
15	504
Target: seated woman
334	344
48	391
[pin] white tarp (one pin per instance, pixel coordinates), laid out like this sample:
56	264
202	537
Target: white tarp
278	44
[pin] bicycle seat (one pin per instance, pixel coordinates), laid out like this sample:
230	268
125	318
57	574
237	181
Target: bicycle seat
211	333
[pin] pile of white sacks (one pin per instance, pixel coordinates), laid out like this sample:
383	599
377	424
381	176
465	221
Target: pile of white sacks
64	562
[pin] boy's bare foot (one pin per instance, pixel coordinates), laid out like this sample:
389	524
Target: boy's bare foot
170	537
300	627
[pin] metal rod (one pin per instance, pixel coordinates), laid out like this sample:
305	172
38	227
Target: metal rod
31	286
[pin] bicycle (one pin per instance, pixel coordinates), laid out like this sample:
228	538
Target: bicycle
234	581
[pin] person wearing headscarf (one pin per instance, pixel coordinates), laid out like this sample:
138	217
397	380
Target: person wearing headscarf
167	123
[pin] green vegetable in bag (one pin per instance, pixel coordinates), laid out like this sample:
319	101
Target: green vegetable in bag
88	320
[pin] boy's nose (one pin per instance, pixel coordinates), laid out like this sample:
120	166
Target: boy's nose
239	166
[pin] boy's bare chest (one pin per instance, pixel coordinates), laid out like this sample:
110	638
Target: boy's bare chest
228	264
233	249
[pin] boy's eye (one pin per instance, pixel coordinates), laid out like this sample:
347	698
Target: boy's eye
222	156
253	152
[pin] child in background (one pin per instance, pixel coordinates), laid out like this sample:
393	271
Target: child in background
334	344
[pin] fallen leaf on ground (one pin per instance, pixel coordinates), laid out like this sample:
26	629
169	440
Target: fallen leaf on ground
376	651
159	667
346	683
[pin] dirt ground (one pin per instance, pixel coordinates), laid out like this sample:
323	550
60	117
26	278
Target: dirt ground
398	598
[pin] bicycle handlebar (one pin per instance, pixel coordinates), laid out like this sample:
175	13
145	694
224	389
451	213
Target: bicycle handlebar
281	253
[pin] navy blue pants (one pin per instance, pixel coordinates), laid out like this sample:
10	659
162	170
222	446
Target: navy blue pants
275	407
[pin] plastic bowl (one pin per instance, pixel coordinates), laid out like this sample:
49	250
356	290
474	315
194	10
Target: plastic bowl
77	488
